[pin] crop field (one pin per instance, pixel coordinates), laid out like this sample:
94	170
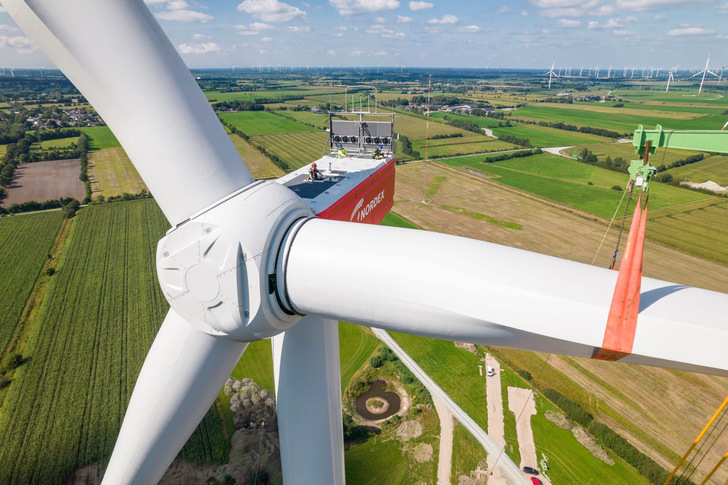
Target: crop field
318	119
543	136
259	165
112	173
674	97
40	181
414	128
101	311
713	167
100	137
270	94
296	149
262	123
25	240
566	181
454	148
616	121
701	231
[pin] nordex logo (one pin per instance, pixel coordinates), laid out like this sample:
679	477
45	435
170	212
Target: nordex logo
361	212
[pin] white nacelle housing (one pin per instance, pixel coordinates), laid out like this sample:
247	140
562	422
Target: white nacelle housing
220	275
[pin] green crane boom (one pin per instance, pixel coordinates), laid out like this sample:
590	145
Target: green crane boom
700	140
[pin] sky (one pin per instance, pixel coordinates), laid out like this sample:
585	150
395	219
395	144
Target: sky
437	33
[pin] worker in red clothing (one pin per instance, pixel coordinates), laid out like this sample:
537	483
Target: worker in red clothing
314	174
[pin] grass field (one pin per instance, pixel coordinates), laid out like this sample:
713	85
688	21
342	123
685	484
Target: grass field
100	137
543	136
713	168
58	143
626	151
456	147
453	369
296	149
25	240
101	311
395	220
377	461
318	119
566	181
259	165
112	173
271	94
262	123
616	121
414	127
673	97
356	345
467	453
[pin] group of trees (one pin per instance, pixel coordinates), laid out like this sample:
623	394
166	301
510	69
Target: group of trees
508	156
524	142
406	147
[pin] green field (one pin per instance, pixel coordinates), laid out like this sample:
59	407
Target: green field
395	220
260	166
673	97
700	231
262	123
457	147
713	168
317	119
25	240
111	173
566	181
268	94
296	149
479	120
377	461
414	127
467	452
543	136
100	137
356	345
58	143
101	311
626	151
455	370
571	462
616	121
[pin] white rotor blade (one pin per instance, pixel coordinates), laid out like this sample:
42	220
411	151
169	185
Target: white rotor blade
117	55
184	371
308	399
455	288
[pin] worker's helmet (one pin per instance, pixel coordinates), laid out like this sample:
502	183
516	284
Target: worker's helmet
381	146
313	164
340	145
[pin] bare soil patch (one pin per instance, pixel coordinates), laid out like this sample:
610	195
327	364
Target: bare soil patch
559	419
590	444
377	406
409	429
423	452
41	181
466	346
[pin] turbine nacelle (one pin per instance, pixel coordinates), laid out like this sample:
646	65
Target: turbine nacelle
221	275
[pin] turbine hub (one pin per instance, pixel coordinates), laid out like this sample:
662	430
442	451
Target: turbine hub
218	269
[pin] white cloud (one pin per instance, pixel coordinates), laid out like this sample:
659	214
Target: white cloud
468	28
603	11
382	31
721	37
592	25
380	20
379	53
8	28
298	28
524	13
564	8
178	11
417	6
198	48
403	20
687	30
612	23
254	28
271	10
331	53
504	9
622	33
446	19
642	5
350	7
201	37
342	28
568	24
266	39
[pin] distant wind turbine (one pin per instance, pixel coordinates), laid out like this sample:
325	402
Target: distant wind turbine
703	72
551	73
670	77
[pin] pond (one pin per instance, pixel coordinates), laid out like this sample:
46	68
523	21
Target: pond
381	403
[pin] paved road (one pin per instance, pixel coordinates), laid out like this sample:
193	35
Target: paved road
509	469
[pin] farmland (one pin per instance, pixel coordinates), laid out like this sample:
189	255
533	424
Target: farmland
100	137
567	181
414	127
40	181
713	168
262	123
320	120
296	149
86	349
111	173
25	241
259	165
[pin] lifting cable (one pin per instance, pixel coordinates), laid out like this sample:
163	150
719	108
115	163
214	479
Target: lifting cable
690	467
614	216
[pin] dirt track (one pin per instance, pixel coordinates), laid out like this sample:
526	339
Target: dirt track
41	181
668	408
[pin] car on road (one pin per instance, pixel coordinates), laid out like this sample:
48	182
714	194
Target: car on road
530	470
490	371
536	481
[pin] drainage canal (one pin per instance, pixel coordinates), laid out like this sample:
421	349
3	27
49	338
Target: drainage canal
377	403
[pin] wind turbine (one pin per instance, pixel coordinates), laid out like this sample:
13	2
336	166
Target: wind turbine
237	265
670	77
12	71
703	72
609	72
551	73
